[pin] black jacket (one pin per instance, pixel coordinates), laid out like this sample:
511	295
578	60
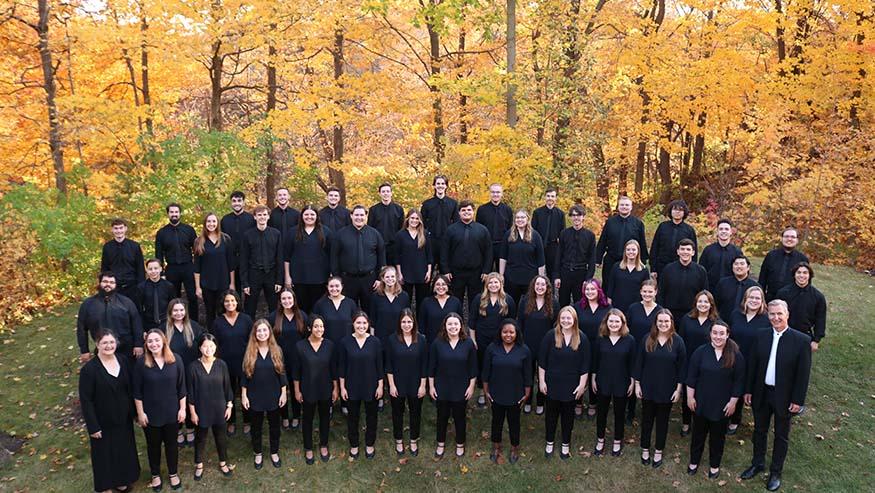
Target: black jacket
792	369
807	309
124	259
116	312
664	249
612	240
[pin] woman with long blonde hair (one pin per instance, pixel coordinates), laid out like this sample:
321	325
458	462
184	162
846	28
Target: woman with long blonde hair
414	257
213	266
264	388
624	280
522	256
487	311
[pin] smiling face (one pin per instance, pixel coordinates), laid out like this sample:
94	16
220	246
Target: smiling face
508	334
466	214
287	300
407	324
173	214
615	324
590	292
389	277
309	217
262	332
453	326
789	239
703	306
261	218
802	276
333	198
724	232
359	217
754	301
106	345
440	186
440	287
566	319
211	223
208	348
540	286
663	323
624	207
282	197
413	220
230	303
740	268
335	287
385	194
521	219
360	325
576	220
155	344
631	253
685	254
550	199
493	285
317	329
119	231
177	313
107	284
677	214
153	270
237	204
496	192
648	293
719	334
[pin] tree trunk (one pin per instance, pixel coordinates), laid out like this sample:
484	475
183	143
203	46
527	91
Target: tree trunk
571	60
602	178
144	71
436	105
216	62
511	64
335	174
56	145
463	99
623	179
640	162
664	165
539	81
133	76
271	172
857	93
699	146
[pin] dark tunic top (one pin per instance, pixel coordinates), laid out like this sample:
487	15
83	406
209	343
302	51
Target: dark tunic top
717	261
563	366
678	285
385	314
576	252
612	240
232	341
497	219
216	264
315	370
624	287
152	301
488	326
174	244
775	270
694	333
523	259
209	393
744	332
408	365
414	261
807	309
338	321
452	368
613	365
535	325
589	321
507	373
714	384
729	293
116	312
548	223
360	367
438	214
467	247
309	260
357	251
431	315
639	321
288	339
660	371
187	353
664	249
124	259
261	251
160	389
387	220
335	218
234	225
265	385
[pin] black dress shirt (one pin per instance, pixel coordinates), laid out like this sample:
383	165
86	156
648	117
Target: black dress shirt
467	247
387	220
438	214
678	285
336	218
507	373
660	371
338	321
524	258
264	387
744	332
452	368
174	244
152	301
432	314
488	326
613	365
360	367
549	223
624	286
714	384
536	324
414	261
639	321
616	232
261	250
315	370
729	292
116	312
386	314
125	260
577	251
664	249
232	341
357	251
216	264
209	393
807	309
717	261
234	225
775	270
160	390
408	365
496	218
563	366
283	220
309	260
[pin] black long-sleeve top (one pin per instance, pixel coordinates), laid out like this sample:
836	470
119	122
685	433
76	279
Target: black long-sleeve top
187	353
624	286
360	367
408	365
216	264
507	373
385	314
536	324
496	218
209	393
729	292
549	223
589	320
116	312
678	285
288	338
714	384
316	371
744	332
124	259
338	321
106	401
717	261
309	260
414	261
152	300
660	371
467	247
524	258
639	321
234	225
775	271
664	249
232	340
174	244
807	309
431	315
576	252
438	214
452	368
488	326
387	220
357	251
336	218
563	366
283	220
160	389
616	232
265	385
694	333
613	365
261	250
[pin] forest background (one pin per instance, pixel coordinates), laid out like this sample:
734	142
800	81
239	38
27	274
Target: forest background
758	110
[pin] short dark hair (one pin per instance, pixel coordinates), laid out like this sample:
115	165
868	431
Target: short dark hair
332	189
155	260
577	210
237	194
743	257
384	184
105	273
440	177
687	242
358	206
282	188
516	327
677	204
173	204
801	265
118	222
551	189
724	220
465	203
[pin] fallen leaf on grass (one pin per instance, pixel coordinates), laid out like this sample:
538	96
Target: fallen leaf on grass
818	437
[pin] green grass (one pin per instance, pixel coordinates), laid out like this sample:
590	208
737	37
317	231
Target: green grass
831	445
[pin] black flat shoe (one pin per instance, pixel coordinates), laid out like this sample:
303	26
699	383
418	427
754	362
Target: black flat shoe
198	477
617	453
550	453
691	471
324	458
414	452
596	451
564	456
657	464
646	461
462	449
158	487
310	460
258	465
751	472
228	473
354	455
713	475
370	455
730	431
276	463
685	432
177	486
440	455
295	426
774	482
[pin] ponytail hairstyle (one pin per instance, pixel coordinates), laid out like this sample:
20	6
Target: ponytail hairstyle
730	349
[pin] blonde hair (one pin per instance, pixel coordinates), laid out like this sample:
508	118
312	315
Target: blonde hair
381	288
170	328
420	230
527	231
276	354
638	265
575	330
484	296
166	353
747	294
604	331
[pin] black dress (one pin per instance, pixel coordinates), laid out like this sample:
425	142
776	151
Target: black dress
714	384
414	261
160	390
488	326
639	321
452	368
385	314
613	365
309	260
209	392
660	371
535	325
232	341
360	367
507	373
338	321
407	364
563	366
315	371
432	314
624	286
108	407
265	385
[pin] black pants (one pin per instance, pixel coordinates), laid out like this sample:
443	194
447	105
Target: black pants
295	405
686	415
273	422
702	427
309	410
261	281
512	412
555	410
654	412
162	435
571	285
352	422
496	253
631	402
235	387
516	291
398	405
482	344
212	305
739	413
457	410
762	417
359	288
550	251
541	398
183	275
308	295
466	281
619	415
200	441
416	291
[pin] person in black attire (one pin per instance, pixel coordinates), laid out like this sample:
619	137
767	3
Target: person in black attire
497	217
105	394
357	254
746	322
414	258
109	310
616	233
406	371
174	245
314	375
289	327
210	401
261	262
232	330
591	312
640	317
775	271
334	216
264	388
507	383
718	257
715	382
612	380
695	328
576	259
308	258
153	296
283	217
681	280
123	257
214	265
549	221
159	398
731	289
522	256
234	224
387	303
336	311
625	278
386	217
659	373
360	371
435	308
563	372
452	373
438	213
485	314
466	253
806	303
182	335
668	237
536	315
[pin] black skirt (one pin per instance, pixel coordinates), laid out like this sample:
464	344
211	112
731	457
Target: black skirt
114	457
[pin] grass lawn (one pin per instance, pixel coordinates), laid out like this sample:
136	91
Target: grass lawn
831	446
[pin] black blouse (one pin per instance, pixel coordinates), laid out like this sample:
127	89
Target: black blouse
414	261
744	332
431	315
408	365
624	287
288	338
563	366
385	314
589	321
523	259
360	367
714	385
216	264
209	393
309	260
536	324
232	341
106	400
338	321
694	333
452	368
265	385
488	326
188	353
160	389
613	365
507	373
315	370
639	321
660	371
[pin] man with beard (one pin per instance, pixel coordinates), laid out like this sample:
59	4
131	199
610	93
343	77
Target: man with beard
108	309
334	216
174	244
775	270
806	303
234	224
438	213
124	257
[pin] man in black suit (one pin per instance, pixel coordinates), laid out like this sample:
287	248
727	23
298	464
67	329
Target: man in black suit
777	381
